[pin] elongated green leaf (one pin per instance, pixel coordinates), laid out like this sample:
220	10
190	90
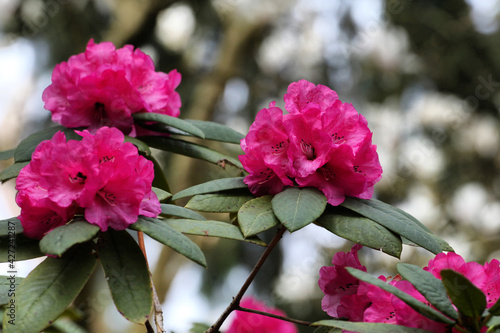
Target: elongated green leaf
211	229
161	194
191	150
127	274
19	248
469	300
12	171
199	328
217	132
160	180
141	146
212	186
401	214
27	146
297	207
169	121
65	325
257	215
395	222
361	230
5	155
163	233
218	202
493	324
410	300
8	286
429	286
369	327
44	294
62	238
10	226
173	210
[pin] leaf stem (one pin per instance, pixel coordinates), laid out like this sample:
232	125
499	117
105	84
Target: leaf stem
236	300
295	321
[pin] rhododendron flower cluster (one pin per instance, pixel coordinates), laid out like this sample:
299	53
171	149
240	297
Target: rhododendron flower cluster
101	177
245	322
358	301
104	86
321	142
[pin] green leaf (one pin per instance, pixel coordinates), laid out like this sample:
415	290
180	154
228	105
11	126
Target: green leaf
12	226
27	146
394	221
141	146
12	171
8	285
212	186
361	230
191	150
19	248
368	327
256	216
169	121
493	324
429	286
298	207
469	300
174	210
410	300
5	155
44	294
163	233
211	229
217	132
65	325
218	202
160	180
161	194
127	274
199	328
60	239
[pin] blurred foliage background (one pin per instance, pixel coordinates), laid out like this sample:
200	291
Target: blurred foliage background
426	75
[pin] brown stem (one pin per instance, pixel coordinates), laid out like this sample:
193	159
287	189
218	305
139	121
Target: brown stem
149	328
295	321
236	300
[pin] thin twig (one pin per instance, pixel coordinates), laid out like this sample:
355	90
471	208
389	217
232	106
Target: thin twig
157	305
295	321
236	300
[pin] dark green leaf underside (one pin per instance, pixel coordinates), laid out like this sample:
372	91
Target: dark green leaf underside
127	274
163	233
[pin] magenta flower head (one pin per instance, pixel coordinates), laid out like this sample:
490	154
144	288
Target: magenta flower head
245	322
343	295
104	86
321	142
101	177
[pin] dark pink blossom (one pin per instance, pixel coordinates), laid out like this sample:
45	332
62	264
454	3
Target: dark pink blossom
320	143
104	86
245	322
340	287
101	177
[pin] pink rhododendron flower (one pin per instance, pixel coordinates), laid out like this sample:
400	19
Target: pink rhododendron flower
104	86
338	285
355	300
101	177
320	143
245	322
